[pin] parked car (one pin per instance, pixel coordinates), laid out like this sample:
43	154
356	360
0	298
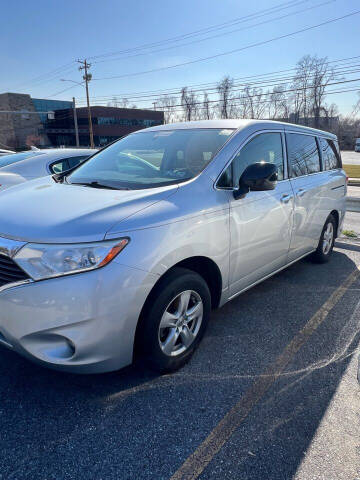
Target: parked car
5	152
357	145
126	255
24	166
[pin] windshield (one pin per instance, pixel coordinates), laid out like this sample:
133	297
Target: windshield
152	159
16	157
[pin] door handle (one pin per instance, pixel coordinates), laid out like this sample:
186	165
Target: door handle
301	192
286	198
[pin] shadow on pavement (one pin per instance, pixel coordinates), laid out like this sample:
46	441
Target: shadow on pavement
134	424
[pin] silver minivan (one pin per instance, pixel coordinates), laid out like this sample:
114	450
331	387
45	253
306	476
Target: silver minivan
125	255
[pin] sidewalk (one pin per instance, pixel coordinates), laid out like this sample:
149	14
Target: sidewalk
353	196
354	182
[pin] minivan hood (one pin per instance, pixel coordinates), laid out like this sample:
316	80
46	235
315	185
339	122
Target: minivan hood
45	211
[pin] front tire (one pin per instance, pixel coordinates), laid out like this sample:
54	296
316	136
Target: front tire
174	321
326	243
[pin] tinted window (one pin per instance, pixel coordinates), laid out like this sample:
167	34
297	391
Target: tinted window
330	156
73	161
226	179
60	166
303	154
67	163
16	157
151	159
266	147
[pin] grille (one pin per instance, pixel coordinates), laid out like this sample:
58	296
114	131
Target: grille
10	272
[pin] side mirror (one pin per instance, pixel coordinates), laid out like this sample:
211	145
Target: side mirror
257	177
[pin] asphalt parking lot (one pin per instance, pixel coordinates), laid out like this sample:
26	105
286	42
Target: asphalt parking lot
271	393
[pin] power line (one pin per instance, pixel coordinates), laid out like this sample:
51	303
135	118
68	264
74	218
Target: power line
284	91
176	90
229	52
240	101
203	30
219	34
276	81
40	78
43	78
237	103
62	91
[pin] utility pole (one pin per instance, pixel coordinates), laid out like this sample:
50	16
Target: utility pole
87	77
76	124
154	103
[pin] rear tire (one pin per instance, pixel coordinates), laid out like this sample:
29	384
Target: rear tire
326	243
174	320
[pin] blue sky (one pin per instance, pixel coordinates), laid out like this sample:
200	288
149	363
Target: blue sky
43	35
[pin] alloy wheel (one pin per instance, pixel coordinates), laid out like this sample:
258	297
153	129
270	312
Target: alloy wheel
328	238
180	323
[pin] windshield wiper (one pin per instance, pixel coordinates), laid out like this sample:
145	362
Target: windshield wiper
96	184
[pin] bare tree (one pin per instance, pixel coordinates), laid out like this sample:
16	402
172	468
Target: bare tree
296	103
356	108
312	76
323	74
302	82
224	89
189	104
124	103
277	102
167	104
253	102
206	109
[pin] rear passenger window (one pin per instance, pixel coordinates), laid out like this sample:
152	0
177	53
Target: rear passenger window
330	155
265	147
303	154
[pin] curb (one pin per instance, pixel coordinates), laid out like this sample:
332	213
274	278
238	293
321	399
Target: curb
354	182
343	239
352	204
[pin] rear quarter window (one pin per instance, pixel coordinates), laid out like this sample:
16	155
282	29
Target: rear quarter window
330	154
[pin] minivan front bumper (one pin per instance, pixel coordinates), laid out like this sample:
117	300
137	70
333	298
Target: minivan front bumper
83	323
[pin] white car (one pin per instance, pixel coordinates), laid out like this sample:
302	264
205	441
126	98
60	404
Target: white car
20	167
5	152
357	145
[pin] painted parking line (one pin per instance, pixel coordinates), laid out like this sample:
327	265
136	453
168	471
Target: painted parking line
194	465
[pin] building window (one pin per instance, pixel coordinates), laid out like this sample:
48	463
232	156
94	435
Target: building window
127	122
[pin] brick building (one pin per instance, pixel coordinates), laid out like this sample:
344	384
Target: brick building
24	121
18	130
109	123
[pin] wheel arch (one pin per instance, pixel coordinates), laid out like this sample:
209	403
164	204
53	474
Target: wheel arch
336	215
203	266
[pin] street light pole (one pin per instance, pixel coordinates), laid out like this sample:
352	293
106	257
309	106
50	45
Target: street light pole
76	124
87	77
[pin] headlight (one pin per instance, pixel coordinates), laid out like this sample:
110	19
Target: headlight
46	260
